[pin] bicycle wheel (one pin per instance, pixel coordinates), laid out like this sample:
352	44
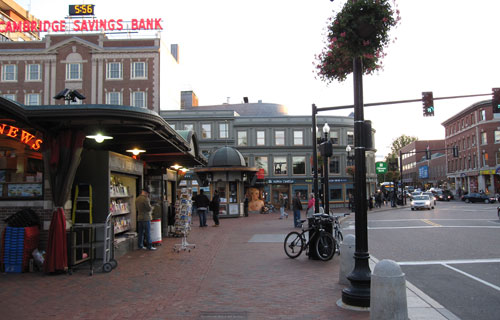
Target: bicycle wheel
339	238
325	246
294	244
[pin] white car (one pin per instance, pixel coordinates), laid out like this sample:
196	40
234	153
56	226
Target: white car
422	202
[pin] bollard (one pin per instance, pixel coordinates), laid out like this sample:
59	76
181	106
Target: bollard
347	249
388	292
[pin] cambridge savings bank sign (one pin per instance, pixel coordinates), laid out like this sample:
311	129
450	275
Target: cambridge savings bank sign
83	24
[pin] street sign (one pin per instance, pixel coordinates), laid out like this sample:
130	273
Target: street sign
381	167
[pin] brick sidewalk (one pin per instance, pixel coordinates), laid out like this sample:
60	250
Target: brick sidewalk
225	277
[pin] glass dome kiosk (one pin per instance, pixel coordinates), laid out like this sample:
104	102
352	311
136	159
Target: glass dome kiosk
227	173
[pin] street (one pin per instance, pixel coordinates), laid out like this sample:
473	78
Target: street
451	253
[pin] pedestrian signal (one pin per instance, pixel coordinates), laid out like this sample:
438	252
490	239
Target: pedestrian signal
428	104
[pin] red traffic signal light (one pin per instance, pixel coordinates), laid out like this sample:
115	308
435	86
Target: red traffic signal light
495	102
428	104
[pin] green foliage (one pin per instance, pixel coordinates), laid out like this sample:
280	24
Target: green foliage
400	142
360	29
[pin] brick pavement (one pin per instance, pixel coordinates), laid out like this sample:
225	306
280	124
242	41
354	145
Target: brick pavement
225	277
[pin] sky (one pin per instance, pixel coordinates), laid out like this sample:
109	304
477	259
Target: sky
265	50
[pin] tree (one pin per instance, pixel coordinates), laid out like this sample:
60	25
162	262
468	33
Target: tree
399	143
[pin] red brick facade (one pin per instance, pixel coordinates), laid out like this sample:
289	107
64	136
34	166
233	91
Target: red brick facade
135	79
477	134
413	158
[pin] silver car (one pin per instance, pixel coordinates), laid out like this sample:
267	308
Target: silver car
422	202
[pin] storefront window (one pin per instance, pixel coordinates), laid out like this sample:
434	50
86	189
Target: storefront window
335	193
334	165
303	191
233	192
21	167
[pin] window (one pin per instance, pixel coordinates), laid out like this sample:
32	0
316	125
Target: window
335	193
139	70
114	98
223	130
33	72
10	96
497	136
139	99
484	138
279	138
498	158
334	165
188	126
172	125
74	71
485	159
261	138
334	137
298	138
9	72
350	138
280	166
482	115
473	140
299	165
206	131
261	163
114	70
32	99
242	138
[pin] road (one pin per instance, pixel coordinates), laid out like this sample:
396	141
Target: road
451	253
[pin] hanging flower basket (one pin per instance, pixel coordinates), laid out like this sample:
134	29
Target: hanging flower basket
360	29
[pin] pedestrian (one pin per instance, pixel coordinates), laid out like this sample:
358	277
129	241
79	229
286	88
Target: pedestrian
215	205
310	206
245	206
351	202
282	207
297	207
144	217
202	204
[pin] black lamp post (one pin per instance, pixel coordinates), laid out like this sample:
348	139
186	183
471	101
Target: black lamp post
358	294
326	151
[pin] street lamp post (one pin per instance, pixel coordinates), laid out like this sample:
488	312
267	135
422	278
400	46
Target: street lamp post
326	151
358	294
315	158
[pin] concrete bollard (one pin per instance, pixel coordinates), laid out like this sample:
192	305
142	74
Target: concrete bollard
388	292
347	249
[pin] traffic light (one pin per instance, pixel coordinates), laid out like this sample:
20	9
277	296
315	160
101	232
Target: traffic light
495	102
427	154
455	151
428	104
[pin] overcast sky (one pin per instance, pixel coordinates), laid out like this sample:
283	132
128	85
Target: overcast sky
264	50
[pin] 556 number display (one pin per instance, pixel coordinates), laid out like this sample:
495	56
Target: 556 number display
81	10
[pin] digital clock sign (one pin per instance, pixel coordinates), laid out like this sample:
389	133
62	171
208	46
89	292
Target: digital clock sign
81	10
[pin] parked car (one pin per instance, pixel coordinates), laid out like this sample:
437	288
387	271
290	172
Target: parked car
421	202
443	196
431	196
478	197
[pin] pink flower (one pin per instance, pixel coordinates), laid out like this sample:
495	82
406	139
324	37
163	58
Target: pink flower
366	42
385	19
343	34
336	22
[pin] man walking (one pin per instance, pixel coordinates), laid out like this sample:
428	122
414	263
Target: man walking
297	207
215	206
144	216
202	204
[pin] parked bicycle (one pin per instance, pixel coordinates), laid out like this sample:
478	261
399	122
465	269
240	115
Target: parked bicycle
325	246
337	231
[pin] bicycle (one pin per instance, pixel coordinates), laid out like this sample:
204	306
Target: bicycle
325	246
337	231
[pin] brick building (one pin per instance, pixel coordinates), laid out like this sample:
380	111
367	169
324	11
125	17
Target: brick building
105	71
476	132
11	16
418	171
